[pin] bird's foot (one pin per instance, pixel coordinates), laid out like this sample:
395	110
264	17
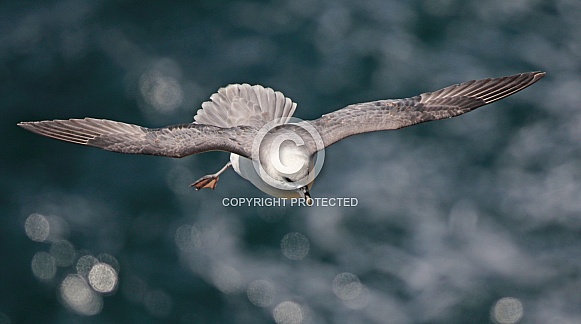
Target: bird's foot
210	180
207	181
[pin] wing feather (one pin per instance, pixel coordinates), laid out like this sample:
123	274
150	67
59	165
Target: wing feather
172	141
243	104
392	114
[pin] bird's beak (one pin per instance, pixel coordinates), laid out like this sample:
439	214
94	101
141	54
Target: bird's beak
304	192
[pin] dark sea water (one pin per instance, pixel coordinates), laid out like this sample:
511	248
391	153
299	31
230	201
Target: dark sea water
475	219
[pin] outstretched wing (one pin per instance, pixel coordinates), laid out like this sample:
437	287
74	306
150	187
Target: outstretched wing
173	141
449	102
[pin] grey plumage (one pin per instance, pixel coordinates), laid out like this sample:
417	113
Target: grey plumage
393	114
243	104
172	141
231	120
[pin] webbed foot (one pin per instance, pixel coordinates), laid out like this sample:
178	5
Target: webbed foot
210	180
207	181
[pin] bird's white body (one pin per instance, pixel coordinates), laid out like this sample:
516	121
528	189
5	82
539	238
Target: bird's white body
282	169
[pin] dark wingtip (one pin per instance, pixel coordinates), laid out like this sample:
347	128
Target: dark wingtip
539	74
29	126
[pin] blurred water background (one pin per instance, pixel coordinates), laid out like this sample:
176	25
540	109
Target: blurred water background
474	219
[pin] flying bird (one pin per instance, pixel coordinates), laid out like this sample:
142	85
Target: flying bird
279	154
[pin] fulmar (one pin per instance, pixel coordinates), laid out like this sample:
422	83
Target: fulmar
279	154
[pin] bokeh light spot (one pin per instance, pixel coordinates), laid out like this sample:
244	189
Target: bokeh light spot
188	238
37	227
346	286
77	295
360	301
295	246
162	92
288	312
103	278
227	279
43	266
110	260
507	310
63	252
85	264
179	179
261	293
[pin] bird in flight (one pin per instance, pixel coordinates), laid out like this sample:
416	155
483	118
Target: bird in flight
279	154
